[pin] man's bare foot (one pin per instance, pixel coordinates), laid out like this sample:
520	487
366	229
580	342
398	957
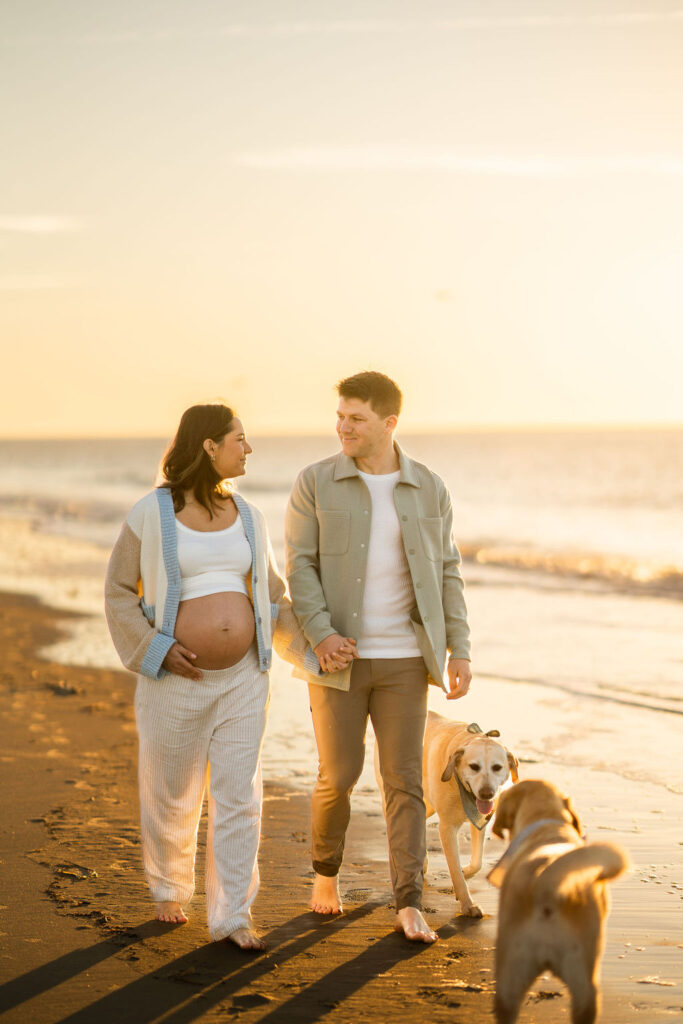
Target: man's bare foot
410	921
325	898
246	938
170	912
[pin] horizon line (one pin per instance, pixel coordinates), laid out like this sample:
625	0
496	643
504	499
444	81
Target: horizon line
479	428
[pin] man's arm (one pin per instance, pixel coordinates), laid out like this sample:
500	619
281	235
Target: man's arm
455	610
289	639
303	563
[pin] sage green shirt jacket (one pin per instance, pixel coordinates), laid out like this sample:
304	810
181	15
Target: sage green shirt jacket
327	532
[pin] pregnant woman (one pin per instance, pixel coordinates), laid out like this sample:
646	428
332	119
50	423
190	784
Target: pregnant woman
194	602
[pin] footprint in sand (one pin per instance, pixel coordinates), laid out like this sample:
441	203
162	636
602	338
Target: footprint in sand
250	1000
75	871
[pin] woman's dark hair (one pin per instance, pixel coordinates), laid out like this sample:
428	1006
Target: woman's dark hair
186	466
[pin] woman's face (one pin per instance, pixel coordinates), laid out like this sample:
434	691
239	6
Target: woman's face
230	454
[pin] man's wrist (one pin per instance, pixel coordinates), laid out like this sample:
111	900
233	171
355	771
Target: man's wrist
332	632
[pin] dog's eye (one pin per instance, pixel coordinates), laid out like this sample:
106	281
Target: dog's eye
497	767
475	767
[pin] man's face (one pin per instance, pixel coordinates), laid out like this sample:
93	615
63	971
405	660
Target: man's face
361	431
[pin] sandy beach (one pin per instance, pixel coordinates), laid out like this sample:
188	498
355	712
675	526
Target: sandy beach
78	941
268	207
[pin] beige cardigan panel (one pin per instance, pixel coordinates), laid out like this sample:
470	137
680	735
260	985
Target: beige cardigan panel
131	632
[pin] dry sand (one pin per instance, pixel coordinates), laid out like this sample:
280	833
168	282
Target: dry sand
78	944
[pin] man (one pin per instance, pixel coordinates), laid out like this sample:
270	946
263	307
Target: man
370	556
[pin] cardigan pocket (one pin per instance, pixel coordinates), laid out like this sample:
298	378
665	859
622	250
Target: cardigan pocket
335	531
431	533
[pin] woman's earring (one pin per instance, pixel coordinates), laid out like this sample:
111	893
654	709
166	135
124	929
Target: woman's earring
212	457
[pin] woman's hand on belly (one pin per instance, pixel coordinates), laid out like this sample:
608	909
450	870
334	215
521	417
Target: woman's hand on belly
218	628
181	662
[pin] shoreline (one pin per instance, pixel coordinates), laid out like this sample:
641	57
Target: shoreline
78	941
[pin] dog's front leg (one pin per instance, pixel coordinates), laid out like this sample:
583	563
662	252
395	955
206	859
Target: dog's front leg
477	851
449	841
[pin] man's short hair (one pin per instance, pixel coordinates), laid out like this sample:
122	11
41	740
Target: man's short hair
380	391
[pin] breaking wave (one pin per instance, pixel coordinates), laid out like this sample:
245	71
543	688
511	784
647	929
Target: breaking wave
618	572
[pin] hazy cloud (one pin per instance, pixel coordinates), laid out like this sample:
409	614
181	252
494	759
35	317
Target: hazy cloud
606	20
363	26
411	159
34	282
329	27
35	225
458	24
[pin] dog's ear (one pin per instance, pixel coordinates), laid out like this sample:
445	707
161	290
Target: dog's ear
575	821
453	762
506	811
514	765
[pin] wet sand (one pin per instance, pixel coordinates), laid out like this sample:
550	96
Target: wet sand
78	942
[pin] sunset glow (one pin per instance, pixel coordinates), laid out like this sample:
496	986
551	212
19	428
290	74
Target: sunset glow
251	203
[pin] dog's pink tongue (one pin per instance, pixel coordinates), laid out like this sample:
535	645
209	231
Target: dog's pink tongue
484	806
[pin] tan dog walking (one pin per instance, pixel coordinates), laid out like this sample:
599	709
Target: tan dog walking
553	901
463	770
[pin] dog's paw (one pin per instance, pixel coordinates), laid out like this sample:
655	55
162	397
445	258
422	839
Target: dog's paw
471	870
473	911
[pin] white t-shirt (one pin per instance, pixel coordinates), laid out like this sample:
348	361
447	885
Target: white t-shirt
385	627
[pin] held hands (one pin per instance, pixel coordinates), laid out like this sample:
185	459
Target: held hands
459	677
179	661
336	652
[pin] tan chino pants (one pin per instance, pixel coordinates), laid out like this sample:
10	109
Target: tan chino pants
393	693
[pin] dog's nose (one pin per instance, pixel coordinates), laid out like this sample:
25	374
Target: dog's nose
486	793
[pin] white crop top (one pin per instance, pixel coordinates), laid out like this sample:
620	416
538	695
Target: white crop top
213	562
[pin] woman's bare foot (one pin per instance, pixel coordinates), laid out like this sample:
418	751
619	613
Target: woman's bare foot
410	921
325	898
246	938
170	913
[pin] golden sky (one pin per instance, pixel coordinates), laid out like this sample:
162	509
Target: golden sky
249	200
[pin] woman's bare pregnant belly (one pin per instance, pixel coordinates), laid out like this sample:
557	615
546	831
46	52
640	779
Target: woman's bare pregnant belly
218	628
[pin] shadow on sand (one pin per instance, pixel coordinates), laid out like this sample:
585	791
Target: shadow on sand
184	989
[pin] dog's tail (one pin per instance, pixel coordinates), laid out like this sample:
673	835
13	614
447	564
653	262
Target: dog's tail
577	869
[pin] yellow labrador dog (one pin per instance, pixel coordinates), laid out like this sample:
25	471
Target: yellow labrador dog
553	900
463	770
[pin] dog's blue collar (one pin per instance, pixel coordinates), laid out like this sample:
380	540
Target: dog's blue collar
495	875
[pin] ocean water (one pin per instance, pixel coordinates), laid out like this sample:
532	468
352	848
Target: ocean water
572	542
593	505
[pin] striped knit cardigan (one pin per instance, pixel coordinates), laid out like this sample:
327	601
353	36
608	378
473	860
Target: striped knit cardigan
142	590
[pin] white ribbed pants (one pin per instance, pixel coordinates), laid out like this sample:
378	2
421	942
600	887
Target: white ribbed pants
192	733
